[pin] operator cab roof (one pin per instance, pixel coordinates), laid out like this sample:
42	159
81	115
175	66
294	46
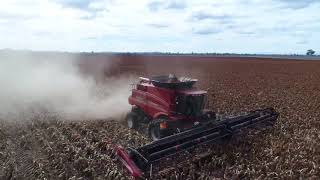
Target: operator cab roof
172	82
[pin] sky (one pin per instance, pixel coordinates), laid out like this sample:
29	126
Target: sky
234	26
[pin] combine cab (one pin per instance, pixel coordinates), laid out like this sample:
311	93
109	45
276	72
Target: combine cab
177	121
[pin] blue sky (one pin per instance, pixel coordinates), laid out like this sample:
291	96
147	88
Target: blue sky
238	26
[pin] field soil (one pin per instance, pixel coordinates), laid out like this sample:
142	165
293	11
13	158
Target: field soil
49	147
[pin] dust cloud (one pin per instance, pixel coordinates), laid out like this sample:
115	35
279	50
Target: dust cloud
31	86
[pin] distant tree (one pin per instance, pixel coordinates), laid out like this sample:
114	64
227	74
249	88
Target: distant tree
310	52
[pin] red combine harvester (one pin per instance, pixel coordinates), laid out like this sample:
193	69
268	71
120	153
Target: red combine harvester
177	121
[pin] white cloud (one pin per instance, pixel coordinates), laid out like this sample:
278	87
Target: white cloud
252	26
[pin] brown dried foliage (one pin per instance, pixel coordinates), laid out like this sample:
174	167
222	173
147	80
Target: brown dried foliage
56	149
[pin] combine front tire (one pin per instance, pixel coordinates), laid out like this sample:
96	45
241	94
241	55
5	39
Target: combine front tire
132	120
158	129
154	131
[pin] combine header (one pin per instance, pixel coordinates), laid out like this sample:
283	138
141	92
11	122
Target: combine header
177	121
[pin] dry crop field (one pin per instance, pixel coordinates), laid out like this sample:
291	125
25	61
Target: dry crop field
52	148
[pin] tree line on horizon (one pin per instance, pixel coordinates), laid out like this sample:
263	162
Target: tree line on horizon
310	52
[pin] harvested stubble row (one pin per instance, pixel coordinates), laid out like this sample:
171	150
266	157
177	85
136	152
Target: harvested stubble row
82	150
